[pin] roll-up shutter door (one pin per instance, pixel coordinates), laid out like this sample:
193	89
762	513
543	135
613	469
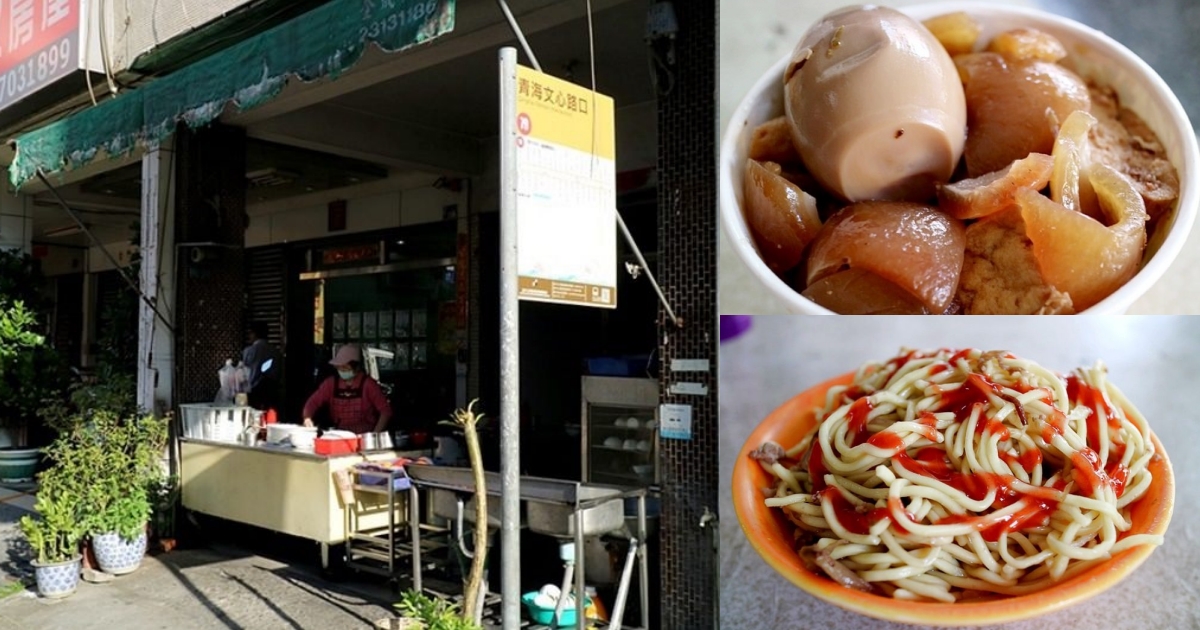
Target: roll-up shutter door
266	284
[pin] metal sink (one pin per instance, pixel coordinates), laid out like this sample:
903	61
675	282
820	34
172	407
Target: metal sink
558	519
549	503
444	503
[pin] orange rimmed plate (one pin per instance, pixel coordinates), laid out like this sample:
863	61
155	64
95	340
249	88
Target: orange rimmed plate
771	535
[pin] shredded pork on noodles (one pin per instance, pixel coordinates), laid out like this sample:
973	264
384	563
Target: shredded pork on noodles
948	475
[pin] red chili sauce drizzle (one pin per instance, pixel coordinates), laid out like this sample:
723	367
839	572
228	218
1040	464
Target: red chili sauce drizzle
855	521
857	424
816	466
1081	393
931	462
896	363
975	390
1089	474
1027	460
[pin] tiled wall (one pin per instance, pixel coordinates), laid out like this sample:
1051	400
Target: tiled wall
687	239
211	206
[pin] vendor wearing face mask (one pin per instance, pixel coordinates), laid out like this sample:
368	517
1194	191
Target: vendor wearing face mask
356	402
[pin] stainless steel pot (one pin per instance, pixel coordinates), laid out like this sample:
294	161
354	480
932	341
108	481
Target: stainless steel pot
370	441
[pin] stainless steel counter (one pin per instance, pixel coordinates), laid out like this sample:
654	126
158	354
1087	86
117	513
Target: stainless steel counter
291	452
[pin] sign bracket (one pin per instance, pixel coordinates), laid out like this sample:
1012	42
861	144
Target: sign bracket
645	267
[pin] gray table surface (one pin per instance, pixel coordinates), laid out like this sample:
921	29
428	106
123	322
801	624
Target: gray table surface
1153	360
756	33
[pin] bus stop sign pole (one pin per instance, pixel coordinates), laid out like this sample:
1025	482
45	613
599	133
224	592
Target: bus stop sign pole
510	348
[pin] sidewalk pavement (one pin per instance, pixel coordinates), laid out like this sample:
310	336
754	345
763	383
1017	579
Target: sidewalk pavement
220	587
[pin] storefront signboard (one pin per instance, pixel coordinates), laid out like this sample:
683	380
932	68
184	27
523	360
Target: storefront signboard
39	44
566	192
675	421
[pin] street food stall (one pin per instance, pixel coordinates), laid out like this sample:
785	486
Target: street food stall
277	487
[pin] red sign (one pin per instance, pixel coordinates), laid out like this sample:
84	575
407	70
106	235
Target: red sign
39	44
462	280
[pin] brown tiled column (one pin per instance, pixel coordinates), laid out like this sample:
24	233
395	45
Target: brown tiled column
687	239
211	206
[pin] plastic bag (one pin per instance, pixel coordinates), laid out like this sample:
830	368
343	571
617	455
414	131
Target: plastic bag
241	379
226	376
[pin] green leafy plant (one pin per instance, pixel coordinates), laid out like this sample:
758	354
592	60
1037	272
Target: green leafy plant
111	460
164	495
54	534
31	372
126	515
434	613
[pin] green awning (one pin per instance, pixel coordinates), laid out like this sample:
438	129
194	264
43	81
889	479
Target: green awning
323	42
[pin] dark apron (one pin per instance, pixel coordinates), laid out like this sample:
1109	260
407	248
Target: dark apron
348	409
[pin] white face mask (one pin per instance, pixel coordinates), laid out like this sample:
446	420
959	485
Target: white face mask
346	374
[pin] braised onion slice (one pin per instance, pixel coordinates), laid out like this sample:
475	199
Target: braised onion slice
914	246
1071	156
1014	108
1080	255
860	292
988	194
782	217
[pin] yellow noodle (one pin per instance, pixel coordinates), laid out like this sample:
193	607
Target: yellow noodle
913	553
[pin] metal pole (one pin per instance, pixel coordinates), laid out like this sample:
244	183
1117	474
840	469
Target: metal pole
510	348
645	267
512	22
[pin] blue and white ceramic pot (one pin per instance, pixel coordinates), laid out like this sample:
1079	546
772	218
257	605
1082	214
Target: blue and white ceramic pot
57	579
116	555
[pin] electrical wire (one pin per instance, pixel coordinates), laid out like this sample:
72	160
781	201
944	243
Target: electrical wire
87	71
108	74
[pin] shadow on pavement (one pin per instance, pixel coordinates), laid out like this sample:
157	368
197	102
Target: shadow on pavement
17	552
266	600
199	595
349	600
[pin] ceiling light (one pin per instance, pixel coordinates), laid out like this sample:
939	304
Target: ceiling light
271	177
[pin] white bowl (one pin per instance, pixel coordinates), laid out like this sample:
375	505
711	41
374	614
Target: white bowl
303	438
1095	55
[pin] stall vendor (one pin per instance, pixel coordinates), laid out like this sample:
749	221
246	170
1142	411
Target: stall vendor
356	402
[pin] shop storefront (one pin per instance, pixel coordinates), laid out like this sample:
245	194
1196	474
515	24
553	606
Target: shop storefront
364	210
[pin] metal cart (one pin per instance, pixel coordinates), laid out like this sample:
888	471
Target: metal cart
382	550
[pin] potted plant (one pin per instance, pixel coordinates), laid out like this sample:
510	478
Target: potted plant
54	537
123	450
419	611
30	369
119	497
118	534
164	495
30	373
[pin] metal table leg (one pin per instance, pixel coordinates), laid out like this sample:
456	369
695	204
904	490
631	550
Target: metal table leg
414	517
580	571
643	568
